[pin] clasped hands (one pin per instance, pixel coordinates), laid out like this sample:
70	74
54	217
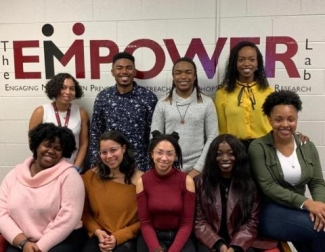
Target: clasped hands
106	242
317	213
31	247
28	247
224	248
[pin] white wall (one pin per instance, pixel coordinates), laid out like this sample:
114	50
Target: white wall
126	21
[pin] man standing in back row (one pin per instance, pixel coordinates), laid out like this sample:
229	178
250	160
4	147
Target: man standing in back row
188	112
126	107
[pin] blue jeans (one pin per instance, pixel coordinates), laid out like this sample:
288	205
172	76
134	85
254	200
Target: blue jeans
202	248
294	225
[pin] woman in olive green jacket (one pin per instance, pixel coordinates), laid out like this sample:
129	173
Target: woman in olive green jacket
283	167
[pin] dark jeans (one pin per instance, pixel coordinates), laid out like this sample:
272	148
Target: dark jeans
294	225
202	248
92	246
165	239
73	243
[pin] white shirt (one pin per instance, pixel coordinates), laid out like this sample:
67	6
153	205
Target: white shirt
74	123
290	166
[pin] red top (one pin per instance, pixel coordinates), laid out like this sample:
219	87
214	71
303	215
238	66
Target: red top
165	204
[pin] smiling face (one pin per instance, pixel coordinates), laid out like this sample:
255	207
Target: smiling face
68	92
246	64
184	77
48	153
163	156
123	71
283	119
111	153
225	160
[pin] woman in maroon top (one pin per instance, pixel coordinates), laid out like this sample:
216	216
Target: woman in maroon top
166	199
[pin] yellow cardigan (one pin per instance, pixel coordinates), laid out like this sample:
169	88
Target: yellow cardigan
242	115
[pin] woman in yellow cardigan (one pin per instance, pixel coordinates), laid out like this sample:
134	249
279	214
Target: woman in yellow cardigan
241	94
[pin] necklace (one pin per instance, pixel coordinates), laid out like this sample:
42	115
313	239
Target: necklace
226	189
290	160
63	114
180	115
292	164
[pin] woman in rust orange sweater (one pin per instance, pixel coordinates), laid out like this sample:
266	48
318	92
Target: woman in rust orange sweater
110	214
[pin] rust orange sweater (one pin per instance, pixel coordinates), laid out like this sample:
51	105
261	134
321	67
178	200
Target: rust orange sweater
110	206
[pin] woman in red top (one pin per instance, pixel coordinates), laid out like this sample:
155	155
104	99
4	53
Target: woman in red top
166	199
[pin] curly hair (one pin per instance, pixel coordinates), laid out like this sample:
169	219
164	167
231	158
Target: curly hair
242	181
282	97
53	87
231	72
196	82
49	132
127	166
173	138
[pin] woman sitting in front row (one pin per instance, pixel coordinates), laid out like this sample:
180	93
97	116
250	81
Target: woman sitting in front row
283	167
41	200
166	199
227	201
110	214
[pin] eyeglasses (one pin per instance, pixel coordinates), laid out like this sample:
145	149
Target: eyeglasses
111	151
161	153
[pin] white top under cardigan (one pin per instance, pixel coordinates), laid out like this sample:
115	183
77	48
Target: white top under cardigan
290	166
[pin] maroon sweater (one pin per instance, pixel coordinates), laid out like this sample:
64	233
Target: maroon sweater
165	204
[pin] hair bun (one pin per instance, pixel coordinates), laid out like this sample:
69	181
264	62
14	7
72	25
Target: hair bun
175	135
155	133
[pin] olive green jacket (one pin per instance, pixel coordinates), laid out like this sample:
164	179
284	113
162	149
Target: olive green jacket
268	173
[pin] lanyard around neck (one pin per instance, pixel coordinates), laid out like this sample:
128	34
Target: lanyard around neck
56	111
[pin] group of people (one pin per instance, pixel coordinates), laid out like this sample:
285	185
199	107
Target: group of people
180	174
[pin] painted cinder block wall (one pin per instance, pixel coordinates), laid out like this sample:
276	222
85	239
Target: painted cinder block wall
296	23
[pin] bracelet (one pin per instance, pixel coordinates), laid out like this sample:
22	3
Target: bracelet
22	244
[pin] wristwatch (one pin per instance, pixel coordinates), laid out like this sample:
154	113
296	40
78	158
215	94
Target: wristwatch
22	244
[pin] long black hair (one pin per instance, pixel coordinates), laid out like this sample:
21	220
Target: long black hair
196	82
242	181
127	166
231	72
173	138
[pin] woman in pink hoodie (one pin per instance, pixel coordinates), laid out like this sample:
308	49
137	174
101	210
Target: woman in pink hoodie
41	200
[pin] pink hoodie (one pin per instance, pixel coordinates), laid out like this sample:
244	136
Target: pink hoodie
46	207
